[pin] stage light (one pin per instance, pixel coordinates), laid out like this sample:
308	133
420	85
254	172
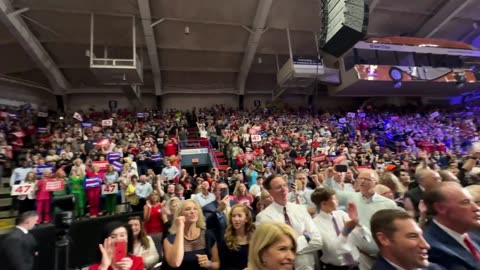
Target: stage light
397	84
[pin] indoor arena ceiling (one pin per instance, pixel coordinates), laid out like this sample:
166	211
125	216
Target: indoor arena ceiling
46	41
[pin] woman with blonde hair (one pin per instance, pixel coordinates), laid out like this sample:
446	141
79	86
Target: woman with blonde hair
190	246
27	202
272	247
168	213
152	214
143	244
76	186
391	181
240	228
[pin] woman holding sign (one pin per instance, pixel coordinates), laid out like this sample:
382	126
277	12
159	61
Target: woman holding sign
93	185
110	180
27	202
43	197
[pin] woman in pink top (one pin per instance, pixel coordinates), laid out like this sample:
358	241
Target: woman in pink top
93	193
43	197
241	196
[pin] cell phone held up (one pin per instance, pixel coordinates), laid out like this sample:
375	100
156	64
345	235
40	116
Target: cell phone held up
120	251
223	192
341	168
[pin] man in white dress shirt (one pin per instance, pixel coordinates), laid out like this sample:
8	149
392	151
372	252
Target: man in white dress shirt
367	202
308	237
339	251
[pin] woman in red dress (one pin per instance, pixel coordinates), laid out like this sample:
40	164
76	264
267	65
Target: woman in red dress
152	215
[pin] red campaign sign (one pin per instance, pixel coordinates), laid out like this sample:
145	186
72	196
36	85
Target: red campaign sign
102	165
319	157
284	145
339	159
54	184
300	161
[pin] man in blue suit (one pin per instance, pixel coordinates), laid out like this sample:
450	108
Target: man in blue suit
455	216
400	242
216	212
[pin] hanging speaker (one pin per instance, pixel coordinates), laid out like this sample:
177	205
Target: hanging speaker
345	22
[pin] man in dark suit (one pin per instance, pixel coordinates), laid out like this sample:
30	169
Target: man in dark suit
18	249
216	212
455	216
400	242
426	179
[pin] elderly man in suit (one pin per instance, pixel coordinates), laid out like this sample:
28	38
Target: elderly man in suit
216	212
400	241
455	216
18	250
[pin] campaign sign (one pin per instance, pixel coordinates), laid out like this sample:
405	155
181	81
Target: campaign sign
54	184
107	123
102	165
109	189
256	138
92	182
22	189
319	157
284	145
86	125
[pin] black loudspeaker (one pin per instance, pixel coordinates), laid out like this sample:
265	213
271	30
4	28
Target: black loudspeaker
60	104
241	102
345	22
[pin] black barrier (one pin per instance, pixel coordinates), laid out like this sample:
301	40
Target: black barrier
45	235
85	236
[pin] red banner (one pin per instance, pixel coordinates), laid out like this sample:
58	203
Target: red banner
102	165
54	184
339	159
319	158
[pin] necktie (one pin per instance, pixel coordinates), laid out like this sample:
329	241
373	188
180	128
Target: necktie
285	215
347	257
468	242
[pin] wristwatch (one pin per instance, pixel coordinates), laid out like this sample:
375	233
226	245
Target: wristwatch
308	237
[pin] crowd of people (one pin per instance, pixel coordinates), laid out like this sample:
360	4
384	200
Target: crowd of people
363	189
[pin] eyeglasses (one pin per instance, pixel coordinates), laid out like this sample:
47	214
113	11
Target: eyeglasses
366	179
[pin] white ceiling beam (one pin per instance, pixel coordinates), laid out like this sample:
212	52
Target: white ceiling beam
32	46
259	23
146	16
444	15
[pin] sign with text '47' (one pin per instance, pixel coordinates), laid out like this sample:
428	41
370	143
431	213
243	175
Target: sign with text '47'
22	189
109	189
